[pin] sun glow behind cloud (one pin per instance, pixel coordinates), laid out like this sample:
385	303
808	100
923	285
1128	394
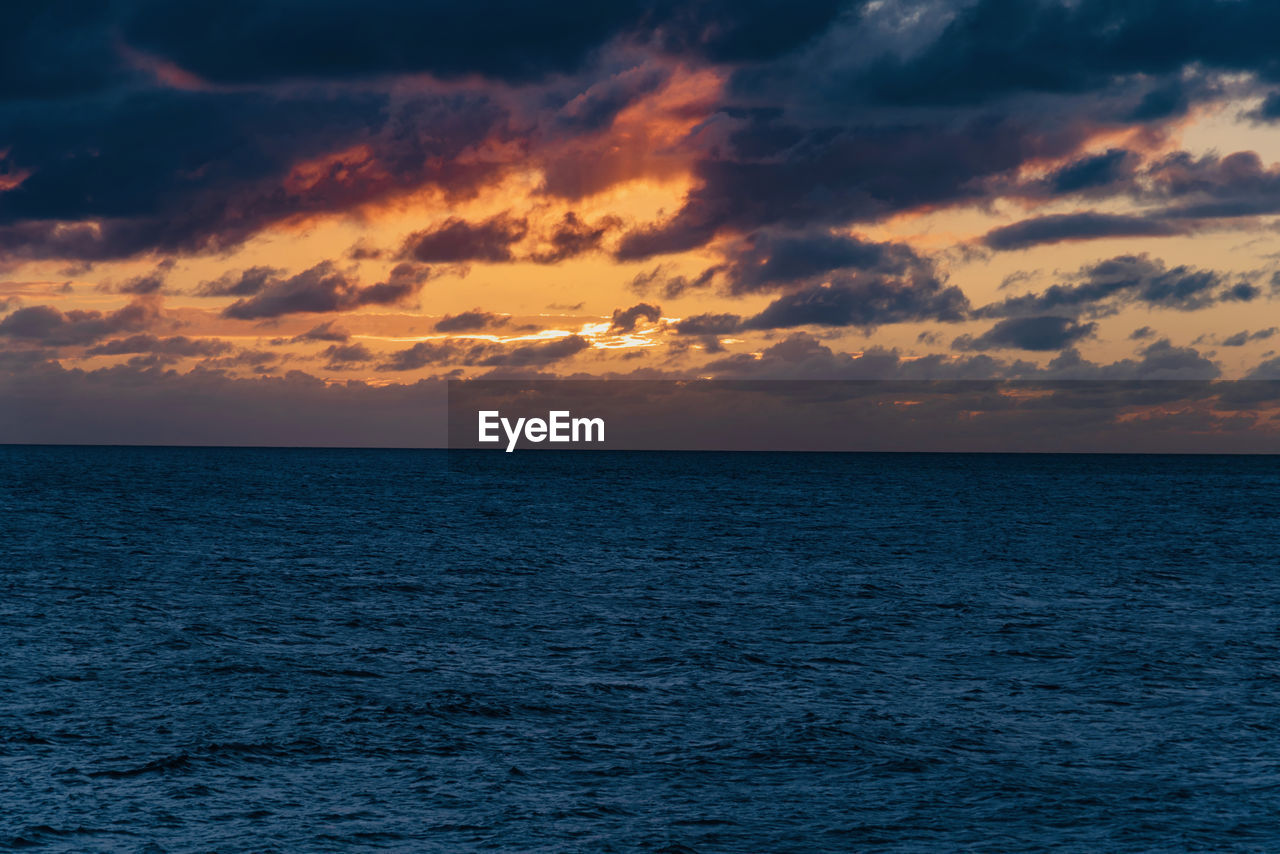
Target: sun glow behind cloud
793	204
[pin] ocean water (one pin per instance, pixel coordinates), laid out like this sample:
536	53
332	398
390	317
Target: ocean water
309	651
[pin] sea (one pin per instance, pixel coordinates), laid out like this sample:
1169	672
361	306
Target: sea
289	650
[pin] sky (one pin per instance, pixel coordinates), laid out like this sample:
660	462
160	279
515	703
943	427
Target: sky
282	214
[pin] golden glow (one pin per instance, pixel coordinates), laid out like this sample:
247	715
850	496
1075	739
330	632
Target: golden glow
639	172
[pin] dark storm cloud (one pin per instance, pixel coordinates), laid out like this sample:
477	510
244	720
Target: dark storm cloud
242	42
842	175
992	86
46	325
185	172
60	49
325	288
1268	110
997	48
1089	225
1170	99
596	108
123	148
143	126
1107	286
1092	173
624	320
1028	333
471	321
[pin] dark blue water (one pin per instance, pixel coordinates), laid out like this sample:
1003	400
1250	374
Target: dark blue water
263	650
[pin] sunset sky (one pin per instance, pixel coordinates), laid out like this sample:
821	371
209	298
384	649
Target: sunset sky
282	197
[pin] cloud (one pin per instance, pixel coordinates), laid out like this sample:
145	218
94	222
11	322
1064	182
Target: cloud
773	259
244	283
325	288
485	354
1214	186
1091	175
134	131
537	355
346	356
801	357
624	320
670	285
422	354
1107	286
256	360
1160	360
140	128
136	404
177	347
326	331
1183	193
1093	172
1028	333
147	283
831	279
184	172
48	326
494	240
996	49
865	301
843	175
1243	337
572	237
470	321
1268	111
1056	228
515	43
1267	371
456	240
709	324
597	107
